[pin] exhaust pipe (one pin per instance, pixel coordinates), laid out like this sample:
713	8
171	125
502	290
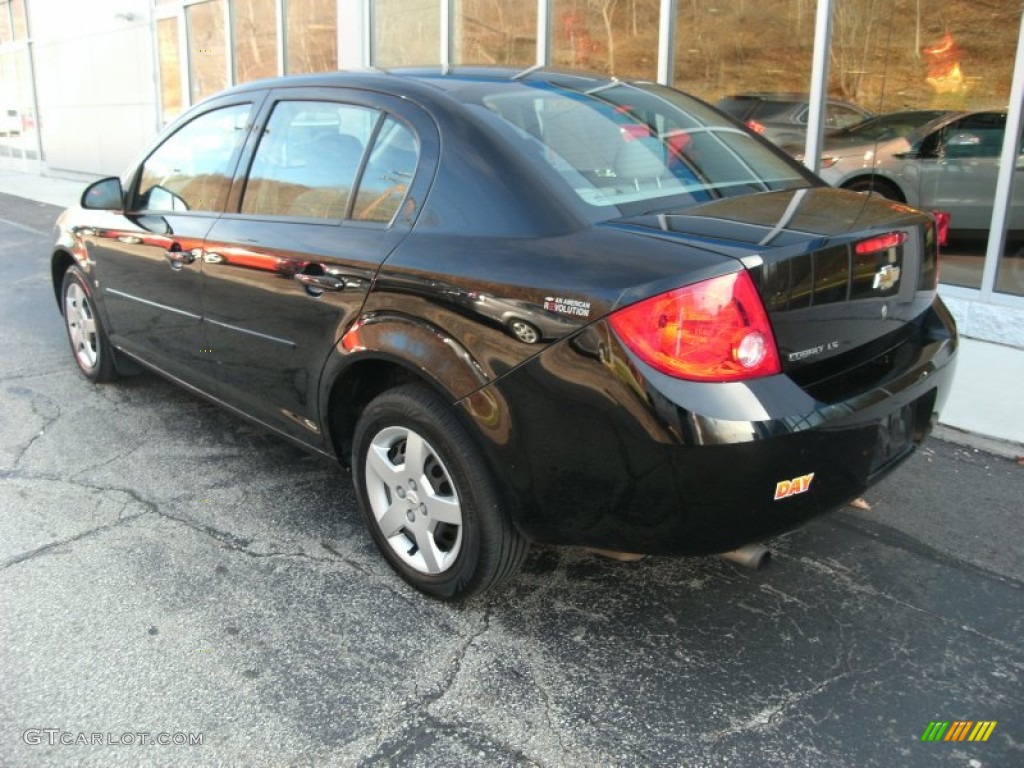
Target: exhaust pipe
752	556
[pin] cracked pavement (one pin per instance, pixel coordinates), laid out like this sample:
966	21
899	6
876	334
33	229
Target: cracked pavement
166	567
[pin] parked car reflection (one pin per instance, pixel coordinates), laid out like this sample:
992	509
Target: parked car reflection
948	164
524	320
782	117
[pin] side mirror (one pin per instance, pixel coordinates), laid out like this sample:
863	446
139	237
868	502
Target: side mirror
104	195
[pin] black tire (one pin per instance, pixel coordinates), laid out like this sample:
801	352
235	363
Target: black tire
875	186
89	344
526	332
457	561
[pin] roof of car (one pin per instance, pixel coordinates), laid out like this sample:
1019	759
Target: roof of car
411	80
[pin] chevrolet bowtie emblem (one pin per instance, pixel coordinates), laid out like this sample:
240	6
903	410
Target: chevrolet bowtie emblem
886	277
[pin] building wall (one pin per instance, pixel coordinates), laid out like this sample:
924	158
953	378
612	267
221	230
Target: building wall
94	82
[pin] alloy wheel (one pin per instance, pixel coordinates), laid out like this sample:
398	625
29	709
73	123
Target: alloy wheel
414	500
81	324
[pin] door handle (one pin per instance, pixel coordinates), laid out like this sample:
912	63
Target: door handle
179	258
320	282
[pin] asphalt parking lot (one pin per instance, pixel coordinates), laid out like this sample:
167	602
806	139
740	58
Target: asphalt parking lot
167	570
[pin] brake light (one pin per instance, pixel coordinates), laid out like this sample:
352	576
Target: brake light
715	330
755	126
880	243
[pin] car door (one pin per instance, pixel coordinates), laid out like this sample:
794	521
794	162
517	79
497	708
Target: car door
959	165
332	185
147	259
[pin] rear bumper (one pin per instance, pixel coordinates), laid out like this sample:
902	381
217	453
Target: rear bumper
600	450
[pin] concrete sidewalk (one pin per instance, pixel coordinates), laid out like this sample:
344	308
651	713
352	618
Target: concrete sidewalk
987	398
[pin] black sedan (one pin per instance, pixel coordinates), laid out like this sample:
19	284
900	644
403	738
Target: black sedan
724	347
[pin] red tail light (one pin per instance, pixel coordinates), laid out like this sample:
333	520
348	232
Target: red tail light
880	243
755	126
715	330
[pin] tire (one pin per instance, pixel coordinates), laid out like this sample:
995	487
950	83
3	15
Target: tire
440	525
879	187
89	344
526	332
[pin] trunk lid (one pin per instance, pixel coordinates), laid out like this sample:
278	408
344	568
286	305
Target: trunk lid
843	276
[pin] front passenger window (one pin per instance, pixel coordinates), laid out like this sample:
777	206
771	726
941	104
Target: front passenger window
191	171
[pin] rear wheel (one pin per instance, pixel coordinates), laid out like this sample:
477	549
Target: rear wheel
89	344
427	497
875	186
524	331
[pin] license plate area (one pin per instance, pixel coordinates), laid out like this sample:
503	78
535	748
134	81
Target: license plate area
895	437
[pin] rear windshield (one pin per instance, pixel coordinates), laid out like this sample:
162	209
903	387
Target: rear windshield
639	147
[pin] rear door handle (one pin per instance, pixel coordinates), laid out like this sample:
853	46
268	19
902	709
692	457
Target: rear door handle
321	282
178	258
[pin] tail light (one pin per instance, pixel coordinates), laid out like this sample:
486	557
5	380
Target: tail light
880	243
714	330
755	126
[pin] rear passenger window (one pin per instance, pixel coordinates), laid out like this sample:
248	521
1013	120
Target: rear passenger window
388	173
306	163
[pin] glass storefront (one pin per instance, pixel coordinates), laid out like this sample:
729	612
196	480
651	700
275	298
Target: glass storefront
936	73
254	30
169	56
207	61
946	65
406	32
620	38
501	34
312	39
728	49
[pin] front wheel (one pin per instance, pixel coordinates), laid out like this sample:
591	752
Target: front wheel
427	497
89	344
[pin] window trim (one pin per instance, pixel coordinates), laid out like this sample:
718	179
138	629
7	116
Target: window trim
252	99
418	122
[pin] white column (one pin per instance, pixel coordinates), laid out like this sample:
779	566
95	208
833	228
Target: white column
667	42
447	34
282	36
819	85
1007	169
354	32
545	30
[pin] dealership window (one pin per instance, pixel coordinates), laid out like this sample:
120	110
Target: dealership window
254	31
727	48
406	32
13	24
169	54
1010	272
312	36
947	55
619	37
207	49
489	32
